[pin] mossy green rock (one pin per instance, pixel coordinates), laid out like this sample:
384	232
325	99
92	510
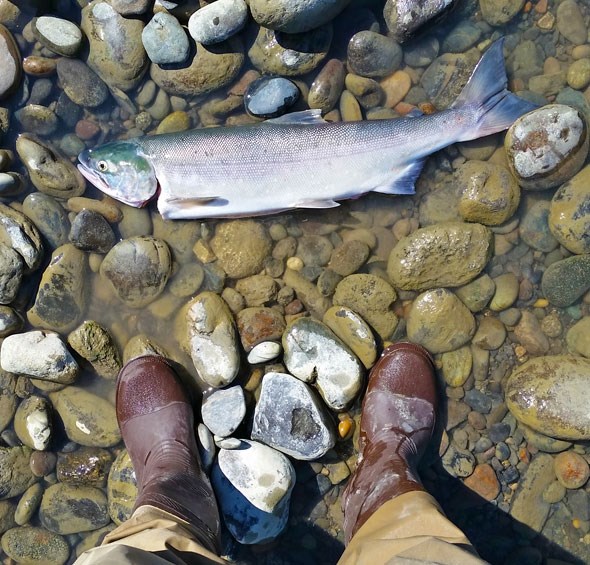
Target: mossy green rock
565	281
551	395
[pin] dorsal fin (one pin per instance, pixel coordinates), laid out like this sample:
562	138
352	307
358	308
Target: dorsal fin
306	117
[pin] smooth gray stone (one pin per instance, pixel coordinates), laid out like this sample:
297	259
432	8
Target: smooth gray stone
164	40
218	21
270	97
223	410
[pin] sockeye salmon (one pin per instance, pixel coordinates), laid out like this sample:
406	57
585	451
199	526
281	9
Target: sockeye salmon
298	160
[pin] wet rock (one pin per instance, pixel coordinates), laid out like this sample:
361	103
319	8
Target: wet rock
211	339
570	22
349	257
116	51
490	334
236	259
121	488
529	334
35	545
218	21
32	422
269	97
461	38
61	298
69	509
506	292
138	269
543	442
130	7
10	321
291	418
257	325
368	92
91	232
81	84
15	474
314	250
257	290
38	119
21	235
28	504
49	171
528	506
264	352
49	217
550	394
325	90
578	337
456	366
95	344
354	332
371	54
8	401
439	321
307	292
372	298
458	462
60	36
534	228
11	272
477	294
571	470
142	345
164	40
569	214
223	410
405	18
10	73
447	254
7	519
87	466
253	485
275	52
209	68
567	280
40	355
547	146
500	12
88	419
313	353
489	194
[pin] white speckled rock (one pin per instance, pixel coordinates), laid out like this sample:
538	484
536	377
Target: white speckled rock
39	354
32	422
290	418
218	21
253	484
263	352
224	410
212	339
312	351
59	35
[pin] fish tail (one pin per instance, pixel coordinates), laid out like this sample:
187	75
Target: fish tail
486	93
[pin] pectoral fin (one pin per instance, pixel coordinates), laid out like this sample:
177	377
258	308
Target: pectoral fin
316	204
403	180
183	202
306	117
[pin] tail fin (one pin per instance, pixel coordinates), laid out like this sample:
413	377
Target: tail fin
486	93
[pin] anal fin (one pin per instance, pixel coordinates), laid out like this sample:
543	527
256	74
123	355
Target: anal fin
184	202
311	203
403	180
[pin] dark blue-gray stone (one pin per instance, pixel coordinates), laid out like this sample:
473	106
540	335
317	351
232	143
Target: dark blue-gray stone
91	232
372	55
477	401
164	40
49	216
270	97
499	431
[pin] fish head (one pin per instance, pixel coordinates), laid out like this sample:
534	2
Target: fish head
121	170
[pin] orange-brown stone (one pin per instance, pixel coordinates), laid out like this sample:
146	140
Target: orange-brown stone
484	482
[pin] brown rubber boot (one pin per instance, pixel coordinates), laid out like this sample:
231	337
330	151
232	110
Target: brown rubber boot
397	421
157	425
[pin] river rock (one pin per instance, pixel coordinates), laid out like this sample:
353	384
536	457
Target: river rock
38	354
69	509
264	352
49	171
60	36
138	269
121	488
569	214
7	515
49	216
91	232
269	97
95	344
164	40
21	235
35	545
116	51
235	258
490	334
570	22
307	292
327	87
439	321
291	418
567	280
456	366
489	194
61	298
446	254
87	466
506	292
211	339
313	353
28	504
207	69
38	119
371	297
10	321
88	419
403	18
11	273
15	473
578	337
529	334
477	294
349	257
275	52
257	325
218	21
257	290
371	54
551	395
8	400
253	485
547	146
10	73
81	84
534	228
32	422
500	12
223	410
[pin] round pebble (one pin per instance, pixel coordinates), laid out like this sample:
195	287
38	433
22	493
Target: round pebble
218	21
270	97
571	469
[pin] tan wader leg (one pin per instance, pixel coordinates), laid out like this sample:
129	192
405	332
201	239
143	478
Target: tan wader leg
410	528
150	537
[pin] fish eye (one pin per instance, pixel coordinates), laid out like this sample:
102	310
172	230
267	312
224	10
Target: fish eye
102	166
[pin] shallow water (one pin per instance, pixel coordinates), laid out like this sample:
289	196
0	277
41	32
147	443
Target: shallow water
314	532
